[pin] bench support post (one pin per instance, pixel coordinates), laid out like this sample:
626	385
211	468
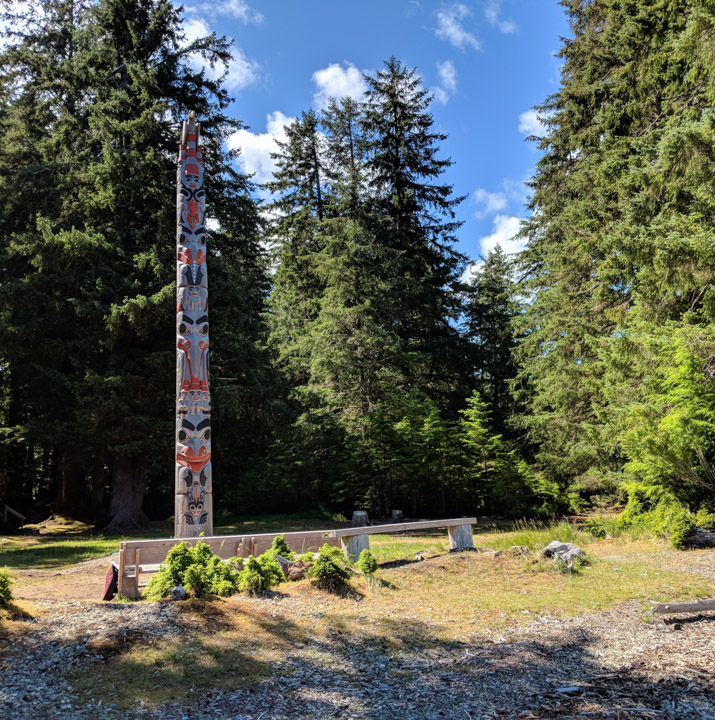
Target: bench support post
460	537
353	545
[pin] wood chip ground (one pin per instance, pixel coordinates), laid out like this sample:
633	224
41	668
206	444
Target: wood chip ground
611	664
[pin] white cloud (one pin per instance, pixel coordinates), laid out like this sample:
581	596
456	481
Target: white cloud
449	26
256	149
195	28
447	74
492	12
490	202
504	229
529	123
240	72
337	82
238	9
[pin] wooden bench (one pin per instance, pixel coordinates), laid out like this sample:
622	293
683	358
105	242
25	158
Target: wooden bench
139	559
355	540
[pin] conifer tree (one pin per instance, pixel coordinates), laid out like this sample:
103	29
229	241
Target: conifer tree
618	241
489	310
415	225
89	118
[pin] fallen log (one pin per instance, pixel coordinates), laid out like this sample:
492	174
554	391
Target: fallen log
691	607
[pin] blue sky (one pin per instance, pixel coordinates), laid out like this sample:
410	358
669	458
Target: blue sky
488	62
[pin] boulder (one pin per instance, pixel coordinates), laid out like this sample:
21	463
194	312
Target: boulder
178	593
563	552
297	570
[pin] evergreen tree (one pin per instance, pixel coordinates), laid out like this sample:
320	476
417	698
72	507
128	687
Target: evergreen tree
623	211
489	310
86	94
415	225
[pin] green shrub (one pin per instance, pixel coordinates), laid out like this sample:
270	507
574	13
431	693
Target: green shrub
196	580
596	527
329	571
682	526
258	575
270	568
705	520
306	557
280	546
366	563
655	509
5	585
194	568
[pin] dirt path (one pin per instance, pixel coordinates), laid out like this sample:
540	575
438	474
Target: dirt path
77	582
611	664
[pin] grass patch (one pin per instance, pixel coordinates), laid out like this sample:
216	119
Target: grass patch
45	552
294	522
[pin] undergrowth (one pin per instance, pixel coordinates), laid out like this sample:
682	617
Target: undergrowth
5	588
329	571
198	570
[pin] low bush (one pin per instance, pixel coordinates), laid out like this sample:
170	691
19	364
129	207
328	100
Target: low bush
259	574
280	546
366	563
596	527
682	526
652	508
705	520
5	588
198	570
329	571
195	568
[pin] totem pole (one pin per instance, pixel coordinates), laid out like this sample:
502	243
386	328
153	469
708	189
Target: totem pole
193	493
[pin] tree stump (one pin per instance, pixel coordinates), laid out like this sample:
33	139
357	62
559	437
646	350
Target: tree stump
360	519
460	537
397	516
354	545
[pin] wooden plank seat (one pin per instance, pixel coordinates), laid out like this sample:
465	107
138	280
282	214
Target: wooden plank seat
139	559
459	530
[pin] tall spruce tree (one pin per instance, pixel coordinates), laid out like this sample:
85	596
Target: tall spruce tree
416	225
490	308
621	237
365	296
87	93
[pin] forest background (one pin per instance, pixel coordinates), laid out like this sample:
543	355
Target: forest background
354	364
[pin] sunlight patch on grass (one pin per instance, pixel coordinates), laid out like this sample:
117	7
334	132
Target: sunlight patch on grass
22	553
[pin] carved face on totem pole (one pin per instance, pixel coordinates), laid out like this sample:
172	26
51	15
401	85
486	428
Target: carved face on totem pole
193	454
192	298
192	351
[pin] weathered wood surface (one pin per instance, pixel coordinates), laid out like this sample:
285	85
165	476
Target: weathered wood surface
691	607
353	545
360	519
402	527
15	513
460	537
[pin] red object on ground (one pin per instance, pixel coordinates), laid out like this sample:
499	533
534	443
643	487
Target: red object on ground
110	582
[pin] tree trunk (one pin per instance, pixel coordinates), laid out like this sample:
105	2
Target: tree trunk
69	499
99	480
128	486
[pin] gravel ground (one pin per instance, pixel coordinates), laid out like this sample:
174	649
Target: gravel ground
610	664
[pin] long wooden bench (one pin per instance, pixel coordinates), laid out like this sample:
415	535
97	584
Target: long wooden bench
139	559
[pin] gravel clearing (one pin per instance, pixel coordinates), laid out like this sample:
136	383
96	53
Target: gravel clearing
611	664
